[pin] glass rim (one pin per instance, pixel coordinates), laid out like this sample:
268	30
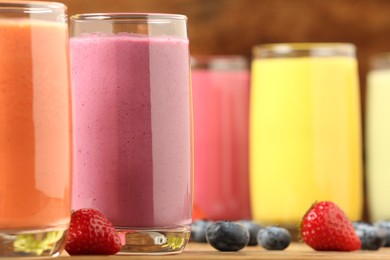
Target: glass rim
380	61
304	49
104	17
31	6
219	61
382	55
218	56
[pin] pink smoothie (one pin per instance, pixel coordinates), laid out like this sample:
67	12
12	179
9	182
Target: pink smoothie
221	143
132	128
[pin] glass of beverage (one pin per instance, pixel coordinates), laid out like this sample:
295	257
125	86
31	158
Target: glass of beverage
305	130
35	129
378	137
133	126
220	86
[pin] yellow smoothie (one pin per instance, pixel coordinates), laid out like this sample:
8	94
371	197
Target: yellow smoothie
378	144
305	137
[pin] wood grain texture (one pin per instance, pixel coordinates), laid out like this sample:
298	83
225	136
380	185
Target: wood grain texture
294	251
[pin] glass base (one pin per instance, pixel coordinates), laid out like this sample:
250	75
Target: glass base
153	241
32	243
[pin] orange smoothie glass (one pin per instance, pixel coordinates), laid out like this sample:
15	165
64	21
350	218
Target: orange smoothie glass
35	129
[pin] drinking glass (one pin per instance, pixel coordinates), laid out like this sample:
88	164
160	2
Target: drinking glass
305	130
220	85
35	129
378	137
133	126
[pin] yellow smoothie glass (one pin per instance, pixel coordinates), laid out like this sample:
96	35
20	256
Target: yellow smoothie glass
378	137
305	131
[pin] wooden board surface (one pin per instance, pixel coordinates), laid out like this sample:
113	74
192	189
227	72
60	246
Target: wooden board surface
294	251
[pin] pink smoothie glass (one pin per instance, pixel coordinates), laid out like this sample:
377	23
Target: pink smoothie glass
221	103
133	126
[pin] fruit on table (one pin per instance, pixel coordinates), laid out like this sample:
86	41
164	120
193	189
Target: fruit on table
253	229
91	233
325	227
227	236
384	226
274	238
360	224
371	237
198	230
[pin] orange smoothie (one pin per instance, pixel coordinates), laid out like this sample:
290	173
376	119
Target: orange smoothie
35	125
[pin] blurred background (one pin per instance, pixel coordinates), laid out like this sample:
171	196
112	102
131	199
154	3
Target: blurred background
233	27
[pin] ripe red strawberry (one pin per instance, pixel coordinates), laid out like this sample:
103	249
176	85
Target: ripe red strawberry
325	227
91	233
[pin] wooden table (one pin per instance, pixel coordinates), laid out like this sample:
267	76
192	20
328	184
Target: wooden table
294	251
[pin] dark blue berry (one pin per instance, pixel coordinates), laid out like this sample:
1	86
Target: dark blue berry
227	236
198	230
371	237
253	229
360	225
384	227
274	238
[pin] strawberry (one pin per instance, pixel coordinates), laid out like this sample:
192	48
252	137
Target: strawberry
91	233
325	227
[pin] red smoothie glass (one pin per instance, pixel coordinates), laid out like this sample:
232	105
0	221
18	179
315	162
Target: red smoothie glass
133	126
221	104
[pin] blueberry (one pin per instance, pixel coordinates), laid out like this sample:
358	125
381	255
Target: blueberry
274	238
227	236
253	229
371	237
360	225
384	227
198	230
